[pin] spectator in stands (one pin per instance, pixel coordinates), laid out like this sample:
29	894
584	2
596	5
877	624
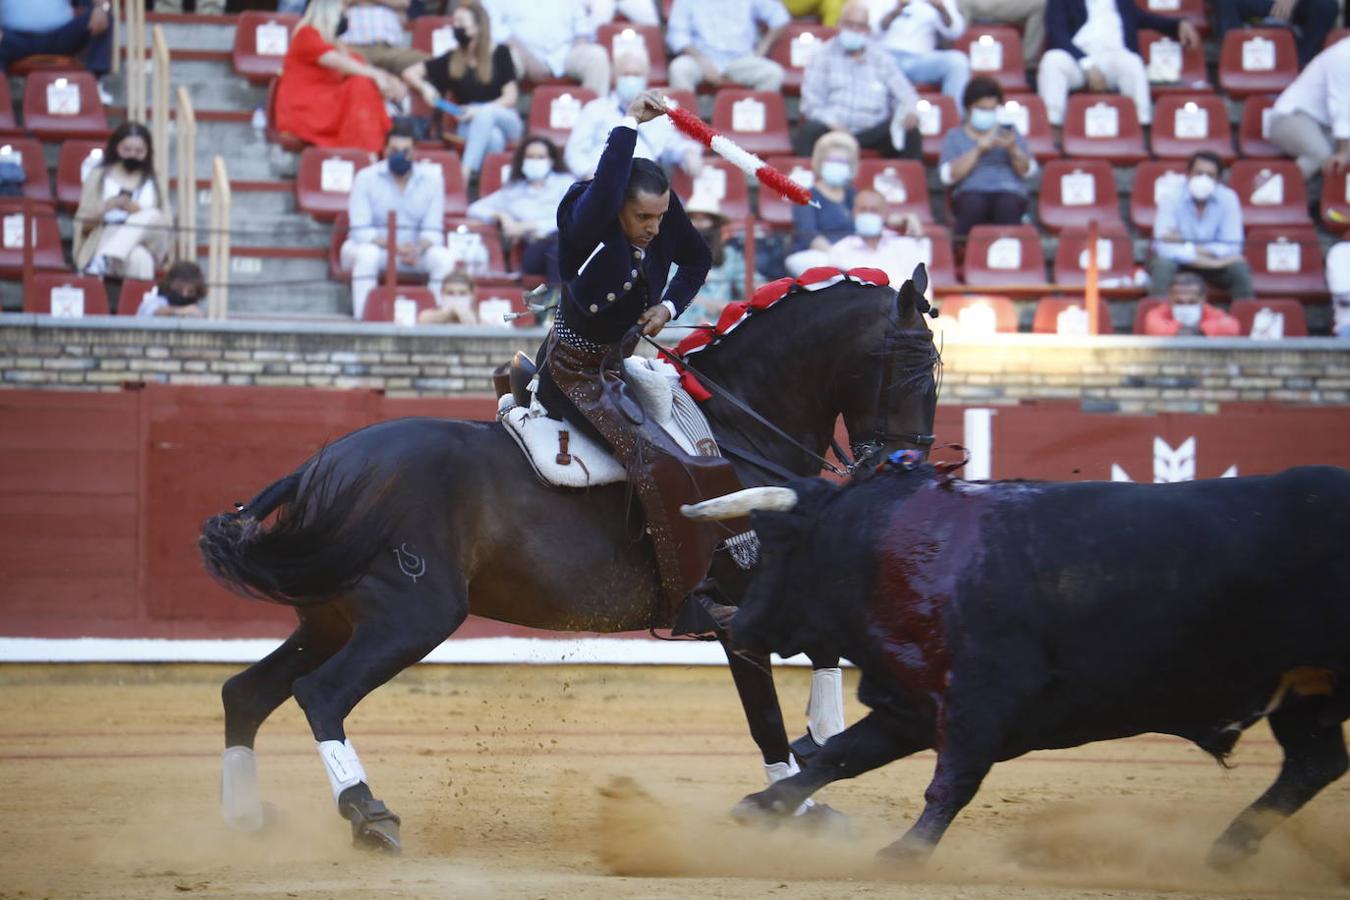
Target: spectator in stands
526	207
913	32
123	224
826	10
179	293
657	139
1095	44
639	12
986	164
551	39
327	95
378	30
815	229
212	7
1028	15
1199	229
416	197
726	278
36	27
853	85
873	245
1186	314
1311	20
480	76
718	43
1311	118
1338	282
454	304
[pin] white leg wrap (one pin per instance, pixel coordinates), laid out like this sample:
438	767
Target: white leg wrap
239	801
342	765
825	710
778	771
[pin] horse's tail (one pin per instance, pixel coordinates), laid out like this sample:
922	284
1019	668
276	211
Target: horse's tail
322	542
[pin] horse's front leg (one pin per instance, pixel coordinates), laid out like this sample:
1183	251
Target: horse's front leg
825	708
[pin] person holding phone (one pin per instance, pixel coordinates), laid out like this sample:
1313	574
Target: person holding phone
986	163
123	225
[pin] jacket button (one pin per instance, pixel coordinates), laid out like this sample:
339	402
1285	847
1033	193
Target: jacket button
610	297
637	254
594	308
628	285
633	274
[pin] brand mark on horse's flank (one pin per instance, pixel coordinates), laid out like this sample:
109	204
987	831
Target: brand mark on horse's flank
409	563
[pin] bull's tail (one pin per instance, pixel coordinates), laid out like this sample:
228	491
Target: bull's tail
322	542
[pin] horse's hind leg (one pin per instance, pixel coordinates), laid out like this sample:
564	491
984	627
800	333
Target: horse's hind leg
250	697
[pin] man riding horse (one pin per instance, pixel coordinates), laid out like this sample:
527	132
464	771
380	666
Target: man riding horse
618	235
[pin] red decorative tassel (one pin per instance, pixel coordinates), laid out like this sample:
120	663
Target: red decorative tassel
691	125
767	175
783	186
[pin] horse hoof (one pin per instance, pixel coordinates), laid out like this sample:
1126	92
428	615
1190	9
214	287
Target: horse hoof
906	854
1225	856
759	809
821	818
374	827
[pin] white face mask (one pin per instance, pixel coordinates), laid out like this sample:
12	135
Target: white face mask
1187	315
852	41
536	169
836	173
867	224
1201	187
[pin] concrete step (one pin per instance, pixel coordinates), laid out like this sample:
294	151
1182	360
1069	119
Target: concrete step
285	286
248	156
211	84
194	35
266	219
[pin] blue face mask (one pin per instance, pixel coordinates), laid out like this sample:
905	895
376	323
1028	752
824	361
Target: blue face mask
629	86
983	119
400	163
852	41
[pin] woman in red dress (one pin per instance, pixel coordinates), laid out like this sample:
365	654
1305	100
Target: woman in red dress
328	95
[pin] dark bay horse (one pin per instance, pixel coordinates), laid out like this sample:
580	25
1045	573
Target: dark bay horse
387	539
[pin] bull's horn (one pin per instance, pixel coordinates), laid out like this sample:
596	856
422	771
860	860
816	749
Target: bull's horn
742	503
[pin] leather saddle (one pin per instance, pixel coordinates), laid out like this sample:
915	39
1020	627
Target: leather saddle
514	378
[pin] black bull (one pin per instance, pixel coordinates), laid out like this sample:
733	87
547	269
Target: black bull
991	619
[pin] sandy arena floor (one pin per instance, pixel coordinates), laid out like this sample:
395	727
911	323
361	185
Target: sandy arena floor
570	782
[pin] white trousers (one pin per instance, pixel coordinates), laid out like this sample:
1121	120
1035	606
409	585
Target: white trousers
754	72
366	261
133	248
1124	71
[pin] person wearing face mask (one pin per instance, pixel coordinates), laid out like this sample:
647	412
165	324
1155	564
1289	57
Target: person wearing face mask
1199	229
873	245
914	32
1186	314
657	140
815	228
526	206
853	85
377	29
454	305
481	78
179	293
985	163
123	224
725	281
416	197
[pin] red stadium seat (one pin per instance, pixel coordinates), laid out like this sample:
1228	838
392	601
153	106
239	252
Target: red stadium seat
1257	61
1048	316
618	36
724	181
902	182
793	49
1141	311
757	120
1272	192
1002	255
1295	321
1153	179
73	163
1115	256
433	35
8	124
1026	112
1103	126
496	172
456	199
976	314
995	51
491	303
468	239
554	109
133	292
1172	67
43	230
1186	123
65	294
1335	202
682	99
59	106
774	211
1286	262
1192	11
258	57
1253	132
937	115
1077	191
399	304
285	139
941	260
324	179
28	154
1334	36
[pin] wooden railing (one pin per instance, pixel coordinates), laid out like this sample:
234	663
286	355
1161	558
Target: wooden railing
133	29
187	177
159	118
218	243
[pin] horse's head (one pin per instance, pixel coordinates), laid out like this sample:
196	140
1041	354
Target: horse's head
892	404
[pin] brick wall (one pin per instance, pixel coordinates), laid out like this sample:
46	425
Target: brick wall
1118	373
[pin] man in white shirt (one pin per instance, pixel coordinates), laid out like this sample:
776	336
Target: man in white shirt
875	246
1314	112
657	139
912	31
550	39
718	42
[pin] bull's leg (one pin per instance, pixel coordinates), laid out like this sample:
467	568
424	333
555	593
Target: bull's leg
1314	756
961	767
251	696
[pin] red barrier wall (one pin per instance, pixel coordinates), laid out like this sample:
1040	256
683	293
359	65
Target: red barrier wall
102	495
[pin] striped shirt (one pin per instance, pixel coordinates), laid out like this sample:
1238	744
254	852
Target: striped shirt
369	24
857	92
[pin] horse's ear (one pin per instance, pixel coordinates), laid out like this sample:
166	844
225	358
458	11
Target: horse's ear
913	291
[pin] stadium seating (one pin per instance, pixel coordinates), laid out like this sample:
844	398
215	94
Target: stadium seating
1153	178
554	109
1103	126
1026	112
618	36
133	292
793	49
1141	310
757	120
1334	36
774	211
74	160
65	294
1252	136
458	231
941	260
1335	202
1048	311
28	154
1295	322
324	179
456	200
494	301
496	172
1186	123
1257	61
60	106
1115	256
46	236
937	115
1272	192
1171	66
724	181
433	35
975	314
1286	262
1003	255
902	182
1077	191
258	57
399	304
9	127
995	51
1192	11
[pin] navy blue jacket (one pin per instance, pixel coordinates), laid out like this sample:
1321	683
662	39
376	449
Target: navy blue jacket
1063	18
599	266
